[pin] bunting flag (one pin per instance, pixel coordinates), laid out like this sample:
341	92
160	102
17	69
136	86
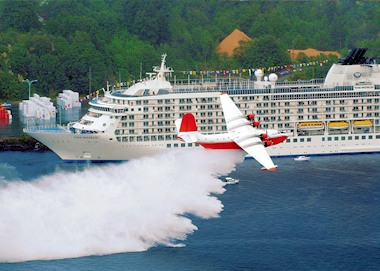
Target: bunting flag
91	95
249	71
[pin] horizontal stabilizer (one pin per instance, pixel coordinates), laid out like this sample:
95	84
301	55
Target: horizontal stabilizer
189	137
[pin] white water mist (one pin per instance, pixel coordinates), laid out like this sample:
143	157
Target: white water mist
114	208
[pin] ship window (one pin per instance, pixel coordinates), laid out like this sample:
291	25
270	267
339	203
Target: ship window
329	139
308	139
295	140
183	145
302	140
336	138
168	145
363	137
343	138
288	140
350	138
370	137
146	138
323	139
377	136
190	144
356	137
175	145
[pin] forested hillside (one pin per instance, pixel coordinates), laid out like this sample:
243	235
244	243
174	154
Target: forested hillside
66	44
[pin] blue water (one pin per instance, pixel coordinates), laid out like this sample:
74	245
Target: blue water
317	215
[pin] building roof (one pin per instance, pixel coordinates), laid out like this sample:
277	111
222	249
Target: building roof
232	41
310	52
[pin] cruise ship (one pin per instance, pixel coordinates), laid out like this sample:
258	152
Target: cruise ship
337	115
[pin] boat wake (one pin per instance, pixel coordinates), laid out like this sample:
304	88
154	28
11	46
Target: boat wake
113	208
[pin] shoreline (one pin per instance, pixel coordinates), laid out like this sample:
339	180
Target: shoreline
21	144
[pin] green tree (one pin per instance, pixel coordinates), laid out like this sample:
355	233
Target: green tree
19	59
9	86
131	56
266	51
21	15
148	19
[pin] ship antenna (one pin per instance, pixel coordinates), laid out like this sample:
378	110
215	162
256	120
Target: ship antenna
163	62
162	69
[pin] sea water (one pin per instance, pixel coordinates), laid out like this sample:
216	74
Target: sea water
172	212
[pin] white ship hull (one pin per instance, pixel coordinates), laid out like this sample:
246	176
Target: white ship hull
100	148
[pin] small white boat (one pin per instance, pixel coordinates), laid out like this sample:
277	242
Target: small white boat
302	158
230	180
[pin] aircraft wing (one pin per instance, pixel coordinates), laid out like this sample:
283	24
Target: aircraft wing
255	147
234	118
246	136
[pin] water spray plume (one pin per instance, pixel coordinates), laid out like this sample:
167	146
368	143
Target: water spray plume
111	208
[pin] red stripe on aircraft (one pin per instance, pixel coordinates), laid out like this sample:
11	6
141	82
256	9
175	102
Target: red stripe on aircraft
221	146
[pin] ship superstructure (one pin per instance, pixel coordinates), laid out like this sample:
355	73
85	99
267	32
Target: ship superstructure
337	115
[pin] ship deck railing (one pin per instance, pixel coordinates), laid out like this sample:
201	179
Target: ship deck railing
232	84
53	128
228	84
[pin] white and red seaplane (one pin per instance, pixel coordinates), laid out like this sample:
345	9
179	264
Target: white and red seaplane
243	133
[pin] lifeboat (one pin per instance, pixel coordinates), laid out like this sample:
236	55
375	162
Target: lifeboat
310	126
362	123
338	125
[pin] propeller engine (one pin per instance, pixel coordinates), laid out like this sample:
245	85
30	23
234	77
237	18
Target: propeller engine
266	140
251	118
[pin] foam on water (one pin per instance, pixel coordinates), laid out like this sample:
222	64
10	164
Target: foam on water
114	208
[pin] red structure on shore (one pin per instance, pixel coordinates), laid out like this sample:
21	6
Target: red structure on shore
5	116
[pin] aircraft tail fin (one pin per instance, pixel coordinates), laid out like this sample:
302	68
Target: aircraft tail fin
187	128
188	123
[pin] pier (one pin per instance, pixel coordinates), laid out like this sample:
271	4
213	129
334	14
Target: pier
24	143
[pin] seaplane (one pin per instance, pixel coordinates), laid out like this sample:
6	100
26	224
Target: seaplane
242	134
